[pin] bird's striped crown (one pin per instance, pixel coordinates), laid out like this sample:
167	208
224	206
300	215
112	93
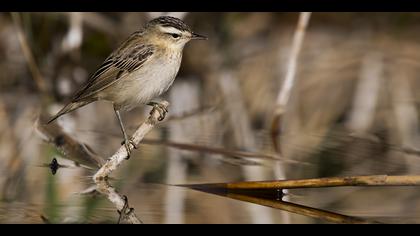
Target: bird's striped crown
169	21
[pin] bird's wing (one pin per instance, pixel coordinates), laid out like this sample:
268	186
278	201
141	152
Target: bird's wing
126	59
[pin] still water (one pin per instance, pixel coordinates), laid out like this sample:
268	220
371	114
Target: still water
63	198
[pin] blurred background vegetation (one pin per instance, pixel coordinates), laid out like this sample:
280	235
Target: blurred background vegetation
353	110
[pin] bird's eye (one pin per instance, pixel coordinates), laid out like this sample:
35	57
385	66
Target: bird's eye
175	36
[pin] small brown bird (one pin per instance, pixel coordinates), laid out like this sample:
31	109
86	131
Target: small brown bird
141	69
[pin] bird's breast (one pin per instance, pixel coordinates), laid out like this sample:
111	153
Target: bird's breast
148	82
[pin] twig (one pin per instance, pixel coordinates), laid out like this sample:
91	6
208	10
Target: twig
193	113
369	180
223	151
36	74
120	202
284	94
115	160
212	150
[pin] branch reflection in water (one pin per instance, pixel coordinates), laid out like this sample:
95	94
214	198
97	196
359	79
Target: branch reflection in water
120	202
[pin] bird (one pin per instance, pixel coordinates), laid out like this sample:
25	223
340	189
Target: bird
141	69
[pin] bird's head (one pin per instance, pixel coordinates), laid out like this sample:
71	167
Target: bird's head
171	31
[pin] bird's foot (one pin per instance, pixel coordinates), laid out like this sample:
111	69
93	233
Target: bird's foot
127	143
159	108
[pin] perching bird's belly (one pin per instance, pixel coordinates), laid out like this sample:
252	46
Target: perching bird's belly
143	85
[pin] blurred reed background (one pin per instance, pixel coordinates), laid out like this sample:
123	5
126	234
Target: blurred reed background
353	110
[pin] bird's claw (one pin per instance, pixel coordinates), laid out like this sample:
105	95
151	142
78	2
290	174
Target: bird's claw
127	147
161	109
131	142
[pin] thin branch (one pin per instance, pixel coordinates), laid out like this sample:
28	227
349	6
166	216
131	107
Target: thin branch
284	94
30	60
208	149
190	114
221	151
115	160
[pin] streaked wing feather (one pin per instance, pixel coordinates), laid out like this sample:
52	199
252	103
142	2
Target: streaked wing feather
124	60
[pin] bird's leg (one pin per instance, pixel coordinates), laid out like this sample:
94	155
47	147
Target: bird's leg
127	142
160	108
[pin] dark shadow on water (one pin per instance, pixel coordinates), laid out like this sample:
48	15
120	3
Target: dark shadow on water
273	198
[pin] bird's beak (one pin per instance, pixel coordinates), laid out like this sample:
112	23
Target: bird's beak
198	37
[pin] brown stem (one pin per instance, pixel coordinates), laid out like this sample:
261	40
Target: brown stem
30	60
370	180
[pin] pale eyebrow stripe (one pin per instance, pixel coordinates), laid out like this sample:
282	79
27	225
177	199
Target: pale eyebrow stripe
171	30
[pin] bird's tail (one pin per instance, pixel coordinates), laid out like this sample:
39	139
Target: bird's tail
69	108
